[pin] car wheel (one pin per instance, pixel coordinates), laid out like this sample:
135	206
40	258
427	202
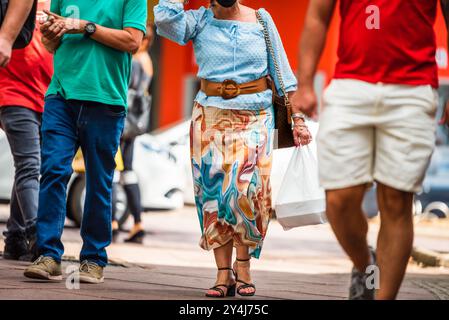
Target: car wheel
437	210
77	196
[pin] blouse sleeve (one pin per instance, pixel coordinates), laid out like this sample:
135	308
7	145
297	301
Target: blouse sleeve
290	81
177	24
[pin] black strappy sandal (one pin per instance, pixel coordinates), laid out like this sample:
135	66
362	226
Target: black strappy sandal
230	289
244	284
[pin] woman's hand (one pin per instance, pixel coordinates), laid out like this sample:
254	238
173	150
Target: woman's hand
301	133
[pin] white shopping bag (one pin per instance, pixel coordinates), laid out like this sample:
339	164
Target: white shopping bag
301	201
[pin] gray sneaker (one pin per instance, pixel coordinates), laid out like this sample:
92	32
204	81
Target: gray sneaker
358	289
44	268
90	272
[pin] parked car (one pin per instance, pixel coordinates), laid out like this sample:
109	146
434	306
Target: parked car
162	177
162	180
434	199
6	169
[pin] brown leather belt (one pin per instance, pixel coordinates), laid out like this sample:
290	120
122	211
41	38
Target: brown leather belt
230	89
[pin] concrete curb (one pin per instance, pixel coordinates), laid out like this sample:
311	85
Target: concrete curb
430	258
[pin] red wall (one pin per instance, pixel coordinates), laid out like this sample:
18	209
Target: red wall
176	62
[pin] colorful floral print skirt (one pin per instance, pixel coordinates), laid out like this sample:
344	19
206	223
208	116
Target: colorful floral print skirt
231	154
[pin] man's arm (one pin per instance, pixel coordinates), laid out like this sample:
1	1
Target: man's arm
18	12
445	8
128	39
313	39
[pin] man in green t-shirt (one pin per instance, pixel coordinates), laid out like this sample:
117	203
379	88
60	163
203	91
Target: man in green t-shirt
85	107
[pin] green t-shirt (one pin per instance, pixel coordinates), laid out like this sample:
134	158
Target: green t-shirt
86	69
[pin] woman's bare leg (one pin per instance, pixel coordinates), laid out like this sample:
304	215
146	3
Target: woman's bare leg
243	268
223	259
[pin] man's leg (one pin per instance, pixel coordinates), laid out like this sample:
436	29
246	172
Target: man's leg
395	240
22	128
345	214
16	244
59	144
405	139
346	155
100	133
15	223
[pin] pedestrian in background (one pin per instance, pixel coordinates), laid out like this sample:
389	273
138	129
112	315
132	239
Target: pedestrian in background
85	107
23	82
377	125
232	129
137	121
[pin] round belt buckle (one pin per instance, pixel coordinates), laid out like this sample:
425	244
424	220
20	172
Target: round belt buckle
230	89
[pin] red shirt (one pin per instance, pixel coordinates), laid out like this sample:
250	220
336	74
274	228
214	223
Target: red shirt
389	41
26	78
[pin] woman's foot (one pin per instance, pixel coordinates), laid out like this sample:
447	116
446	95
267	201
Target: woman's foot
136	235
225	285
245	287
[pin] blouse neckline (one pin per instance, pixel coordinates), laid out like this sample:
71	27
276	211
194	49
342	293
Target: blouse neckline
224	22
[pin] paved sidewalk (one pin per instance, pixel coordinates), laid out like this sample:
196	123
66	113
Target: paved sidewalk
305	263
180	283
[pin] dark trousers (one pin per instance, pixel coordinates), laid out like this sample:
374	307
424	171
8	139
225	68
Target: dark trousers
96	128
130	181
22	128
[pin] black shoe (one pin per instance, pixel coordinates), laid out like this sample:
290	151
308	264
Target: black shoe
33	253
16	246
136	238
359	289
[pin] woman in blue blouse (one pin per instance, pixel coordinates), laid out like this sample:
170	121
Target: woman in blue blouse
232	129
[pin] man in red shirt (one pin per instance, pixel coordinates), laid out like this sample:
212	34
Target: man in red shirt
377	125
23	83
17	13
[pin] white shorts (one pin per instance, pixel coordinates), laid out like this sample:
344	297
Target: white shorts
376	132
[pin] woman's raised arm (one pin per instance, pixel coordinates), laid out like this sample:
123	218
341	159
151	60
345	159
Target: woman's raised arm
177	24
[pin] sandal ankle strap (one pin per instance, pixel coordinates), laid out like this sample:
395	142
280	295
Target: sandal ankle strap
243	260
223	269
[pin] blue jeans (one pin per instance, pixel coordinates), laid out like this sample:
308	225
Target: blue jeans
66	126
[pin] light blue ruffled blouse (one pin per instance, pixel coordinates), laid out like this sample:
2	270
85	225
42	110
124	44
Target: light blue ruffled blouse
226	50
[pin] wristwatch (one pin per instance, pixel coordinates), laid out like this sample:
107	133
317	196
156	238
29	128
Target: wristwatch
90	29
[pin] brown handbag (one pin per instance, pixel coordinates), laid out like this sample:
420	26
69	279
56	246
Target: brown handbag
282	106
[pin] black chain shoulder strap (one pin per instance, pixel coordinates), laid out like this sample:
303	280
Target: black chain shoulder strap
273	56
